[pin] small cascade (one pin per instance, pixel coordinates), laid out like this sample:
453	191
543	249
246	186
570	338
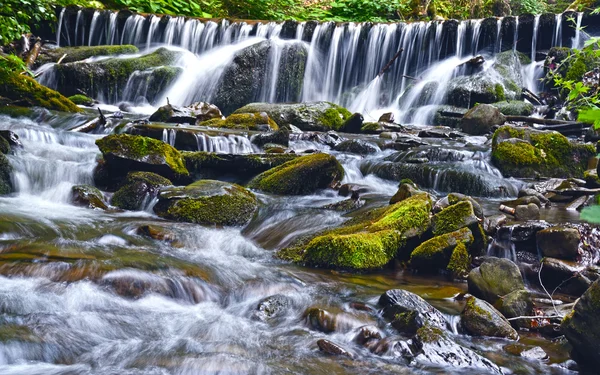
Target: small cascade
577	40
557	39
169	136
230	144
503	247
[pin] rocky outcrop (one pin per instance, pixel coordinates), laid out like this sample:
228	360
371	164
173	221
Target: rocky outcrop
73	54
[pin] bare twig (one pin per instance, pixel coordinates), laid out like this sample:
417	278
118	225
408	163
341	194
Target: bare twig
61	59
390	63
534	317
545	290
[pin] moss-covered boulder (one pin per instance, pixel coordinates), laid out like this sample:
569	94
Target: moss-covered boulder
527	153
320	116
453	218
24	91
73	54
243	166
243	121
108	78
581	326
495	278
435	253
280	137
88	196
139	190
514	108
207	202
406	190
192	114
124	153
515	304
408	312
459	264
303	175
6	186
479	318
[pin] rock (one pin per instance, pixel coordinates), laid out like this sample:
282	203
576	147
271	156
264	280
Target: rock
435	253
304	175
454	198
317	116
372	128
209	165
534	193
73	54
356	146
564	276
492	223
559	242
495	278
158	233
6	186
207	202
366	334
4	146
124	153
406	190
351	204
244	121
109	77
353	124
279	137
460	262
387	117
581	326
24	91
480	119
82	100
139	190
408	312
246	78
514	108
347	190
528	153
88	196
524	201
272	307
332	348
522	235
453	218
191	114
515	304
527	212
330	138
11	137
466	91
535	353
434	347
479	318
320	320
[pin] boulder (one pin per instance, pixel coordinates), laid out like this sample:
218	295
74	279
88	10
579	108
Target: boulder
459	264
73	54
387	118
139	190
479	318
453	218
82	100
581	326
192	114
88	196
278	137
406	190
244	121
559	242
356	146
353	124
6	186
480	119
316	116
514	108
272	307
320	320
527	212
565	276
207	202
454	198
408	312
11	137
212	165
515	304
494	278
304	175
529	153
124	153
332	348
435	253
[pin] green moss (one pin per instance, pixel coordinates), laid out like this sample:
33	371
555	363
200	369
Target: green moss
143	150
435	253
86	195
460	261
5	176
430	334
577	69
359	251
499	91
23	89
412	214
452	218
14	332
303	175
514	107
245	121
370	128
81	53
4	146
136	188
472	305
335	117
81	100
15	111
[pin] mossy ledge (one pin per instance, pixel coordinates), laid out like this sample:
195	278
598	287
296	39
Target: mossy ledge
72	54
243	121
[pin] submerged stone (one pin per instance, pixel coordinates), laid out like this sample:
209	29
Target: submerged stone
88	196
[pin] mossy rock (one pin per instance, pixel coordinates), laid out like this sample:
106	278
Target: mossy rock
514	108
207	202
320	116
24	91
88	196
208	164
529	153
17	333
304	175
124	153
6	169
479	318
495	278
453	218
81	100
139	189
515	304
408	312
460	262
435	253
74	54
4	146
243	121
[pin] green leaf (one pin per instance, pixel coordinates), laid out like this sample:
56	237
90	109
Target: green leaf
590	116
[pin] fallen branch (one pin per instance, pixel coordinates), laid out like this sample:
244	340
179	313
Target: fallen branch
33	54
390	63
61	59
531	97
91	125
543	287
534	317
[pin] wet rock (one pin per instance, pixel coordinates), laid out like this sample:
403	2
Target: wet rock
408	312
351	204
356	146
525	200
157	233
212	165
88	196
6	186
4	146
480	119
279	137
495	278
366	334
139	190
522	235
191	114
514	108
332	348
330	138
316	116
515	304
320	320
453	218
124	153
207	202
272	307
12	138
559	242
82	100
432	133
527	212
435	347
564	276
347	190
535	353
401	143
372	128
406	190
387	117
436	253
454	198
73	54
492	223
527	153
528	192
353	124
258	121
479	318
581	326
304	175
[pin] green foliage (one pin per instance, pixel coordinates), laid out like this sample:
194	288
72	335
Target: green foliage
196	8
18	16
528	6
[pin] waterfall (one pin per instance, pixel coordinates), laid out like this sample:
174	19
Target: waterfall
577	42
